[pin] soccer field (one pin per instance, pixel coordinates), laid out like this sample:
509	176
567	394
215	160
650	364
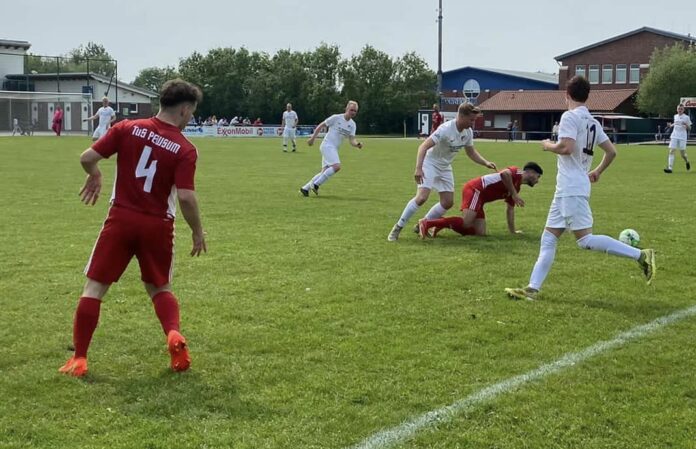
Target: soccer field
308	329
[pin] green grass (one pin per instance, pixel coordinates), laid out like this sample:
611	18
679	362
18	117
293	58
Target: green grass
309	330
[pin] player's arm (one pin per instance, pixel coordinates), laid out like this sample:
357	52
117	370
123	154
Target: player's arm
282	121
506	177
188	202
564	146
609	155
90	118
316	132
89	160
355	143
476	157
420	157
113	119
510	211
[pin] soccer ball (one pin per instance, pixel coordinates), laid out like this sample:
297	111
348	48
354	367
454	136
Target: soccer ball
630	237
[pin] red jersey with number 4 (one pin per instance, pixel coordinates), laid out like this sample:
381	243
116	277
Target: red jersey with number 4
154	159
492	187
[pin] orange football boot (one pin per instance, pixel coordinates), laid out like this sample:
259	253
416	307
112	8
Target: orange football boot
75	366
176	343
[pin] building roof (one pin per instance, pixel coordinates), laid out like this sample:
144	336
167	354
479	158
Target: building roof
553	100
82	75
14	44
680	37
551	78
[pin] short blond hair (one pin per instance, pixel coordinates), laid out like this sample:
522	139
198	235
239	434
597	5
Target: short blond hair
352	102
468	109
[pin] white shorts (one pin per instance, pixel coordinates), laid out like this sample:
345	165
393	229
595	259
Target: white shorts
289	133
436	178
677	144
99	132
570	212
329	156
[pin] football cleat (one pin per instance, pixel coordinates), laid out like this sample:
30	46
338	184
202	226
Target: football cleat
176	343
315	189
522	293
668	170
304	192
688	166
648	264
394	233
75	366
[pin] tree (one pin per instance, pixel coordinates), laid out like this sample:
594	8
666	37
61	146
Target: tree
153	77
672	76
90	57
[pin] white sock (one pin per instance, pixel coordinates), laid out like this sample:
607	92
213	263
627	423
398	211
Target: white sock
670	161
324	176
410	209
311	181
547	252
285	141
608	245
436	211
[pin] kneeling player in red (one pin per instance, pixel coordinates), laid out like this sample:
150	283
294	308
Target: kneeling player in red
156	165
503	185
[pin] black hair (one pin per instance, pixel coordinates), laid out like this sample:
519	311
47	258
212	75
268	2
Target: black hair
533	166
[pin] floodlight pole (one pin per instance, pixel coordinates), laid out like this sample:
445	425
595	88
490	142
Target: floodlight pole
439	54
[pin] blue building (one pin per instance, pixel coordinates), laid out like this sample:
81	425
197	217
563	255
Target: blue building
477	84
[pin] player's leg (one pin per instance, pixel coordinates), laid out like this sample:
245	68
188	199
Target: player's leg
670	156
555	225
109	259
294	139
444	183
422	194
286	131
155	253
684	156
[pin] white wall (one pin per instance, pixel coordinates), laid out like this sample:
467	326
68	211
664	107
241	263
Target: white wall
13	63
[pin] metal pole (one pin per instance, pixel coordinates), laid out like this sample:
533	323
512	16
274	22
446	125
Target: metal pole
58	73
439	54
116	85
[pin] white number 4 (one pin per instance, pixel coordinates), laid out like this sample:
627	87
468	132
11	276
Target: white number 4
142	170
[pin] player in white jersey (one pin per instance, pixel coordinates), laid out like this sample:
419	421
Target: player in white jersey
339	126
15	127
678	138
578	134
289	125
106	116
434	166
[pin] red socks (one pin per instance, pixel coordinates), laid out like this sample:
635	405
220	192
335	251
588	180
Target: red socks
86	319
167	310
454	223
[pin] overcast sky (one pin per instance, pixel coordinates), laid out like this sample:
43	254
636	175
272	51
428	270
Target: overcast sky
516	35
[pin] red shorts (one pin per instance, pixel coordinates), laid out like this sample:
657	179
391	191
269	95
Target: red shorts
125	234
471	200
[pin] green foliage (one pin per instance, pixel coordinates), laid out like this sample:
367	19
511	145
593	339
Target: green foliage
90	57
153	77
318	83
309	330
672	76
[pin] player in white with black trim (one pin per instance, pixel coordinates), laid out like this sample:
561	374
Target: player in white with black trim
339	127
677	140
578	134
434	166
106	116
289	125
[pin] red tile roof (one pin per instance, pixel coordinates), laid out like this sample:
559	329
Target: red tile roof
554	100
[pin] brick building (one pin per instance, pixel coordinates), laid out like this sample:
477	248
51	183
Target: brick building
614	67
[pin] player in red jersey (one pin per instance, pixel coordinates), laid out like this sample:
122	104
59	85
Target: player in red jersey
438	118
155	166
503	185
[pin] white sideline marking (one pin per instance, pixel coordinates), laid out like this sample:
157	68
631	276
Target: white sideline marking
407	429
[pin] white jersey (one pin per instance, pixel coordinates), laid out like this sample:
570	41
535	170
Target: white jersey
105	114
339	128
579	125
681	122
448	142
290	119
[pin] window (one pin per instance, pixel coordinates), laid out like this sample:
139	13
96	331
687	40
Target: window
620	73
580	70
635	74
501	120
594	74
607	74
